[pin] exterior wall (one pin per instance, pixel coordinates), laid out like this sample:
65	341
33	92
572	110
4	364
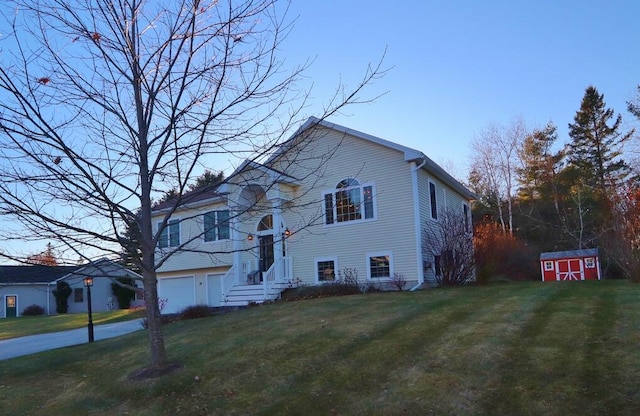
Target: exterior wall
446	199
27	295
201	282
392	229
293	192
101	296
191	228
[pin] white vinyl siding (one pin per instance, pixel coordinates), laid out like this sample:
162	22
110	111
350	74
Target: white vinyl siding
393	225
196	255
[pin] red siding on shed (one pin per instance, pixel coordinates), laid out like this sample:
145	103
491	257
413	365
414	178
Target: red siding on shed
577	265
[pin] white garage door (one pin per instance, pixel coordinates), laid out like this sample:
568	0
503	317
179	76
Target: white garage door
179	293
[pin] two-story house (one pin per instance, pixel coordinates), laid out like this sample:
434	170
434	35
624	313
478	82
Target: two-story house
329	199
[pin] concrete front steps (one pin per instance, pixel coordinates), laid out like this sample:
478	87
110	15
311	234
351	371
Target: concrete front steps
242	295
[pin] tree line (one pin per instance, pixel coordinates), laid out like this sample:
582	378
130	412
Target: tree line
547	196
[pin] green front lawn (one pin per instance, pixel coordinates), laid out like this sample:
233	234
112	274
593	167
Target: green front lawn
508	349
31	325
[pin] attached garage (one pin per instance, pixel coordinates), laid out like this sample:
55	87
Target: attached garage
179	292
570	265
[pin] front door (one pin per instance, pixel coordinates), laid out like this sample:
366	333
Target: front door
11	306
265	243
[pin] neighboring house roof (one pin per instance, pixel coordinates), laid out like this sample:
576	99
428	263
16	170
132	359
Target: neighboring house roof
34	274
410	155
37	274
588	252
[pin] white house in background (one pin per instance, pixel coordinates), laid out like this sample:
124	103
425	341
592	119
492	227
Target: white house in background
23	286
329	199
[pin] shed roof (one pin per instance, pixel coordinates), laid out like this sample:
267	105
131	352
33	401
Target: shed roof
552	255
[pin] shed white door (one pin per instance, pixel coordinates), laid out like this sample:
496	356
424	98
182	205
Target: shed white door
569	269
179	292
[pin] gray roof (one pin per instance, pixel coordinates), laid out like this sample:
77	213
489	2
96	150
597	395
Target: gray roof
37	274
587	252
34	274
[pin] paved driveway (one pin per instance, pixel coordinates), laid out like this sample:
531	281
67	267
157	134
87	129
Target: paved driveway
16	347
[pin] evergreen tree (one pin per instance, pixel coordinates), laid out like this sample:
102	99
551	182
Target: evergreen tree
538	164
208	178
596	145
62	293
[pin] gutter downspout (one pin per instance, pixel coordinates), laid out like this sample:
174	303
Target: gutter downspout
416	219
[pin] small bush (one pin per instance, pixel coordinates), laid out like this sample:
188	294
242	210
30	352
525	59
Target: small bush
194	312
398	281
33	310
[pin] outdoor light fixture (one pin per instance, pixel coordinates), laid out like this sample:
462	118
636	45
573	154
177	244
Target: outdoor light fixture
287	232
88	282
250	237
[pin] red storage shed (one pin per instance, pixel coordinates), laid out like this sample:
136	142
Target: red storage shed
570	265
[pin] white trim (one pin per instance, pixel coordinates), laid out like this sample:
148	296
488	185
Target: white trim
316	260
416	218
379	254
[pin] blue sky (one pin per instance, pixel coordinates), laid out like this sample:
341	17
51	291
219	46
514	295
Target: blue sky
460	65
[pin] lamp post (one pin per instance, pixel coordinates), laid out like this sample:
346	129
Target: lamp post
88	282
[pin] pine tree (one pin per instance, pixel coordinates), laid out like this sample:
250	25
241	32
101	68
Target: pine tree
596	146
538	163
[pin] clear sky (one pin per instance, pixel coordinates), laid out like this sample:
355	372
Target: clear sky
459	65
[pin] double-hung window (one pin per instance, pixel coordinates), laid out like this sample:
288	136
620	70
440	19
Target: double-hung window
350	201
216	225
170	236
326	269
379	265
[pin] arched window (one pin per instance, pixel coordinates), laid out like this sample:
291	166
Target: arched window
266	223
350	201
345	183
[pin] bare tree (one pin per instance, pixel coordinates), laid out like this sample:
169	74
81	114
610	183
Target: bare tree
106	104
495	160
449	241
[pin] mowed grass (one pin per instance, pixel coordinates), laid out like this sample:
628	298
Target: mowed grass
509	349
31	325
